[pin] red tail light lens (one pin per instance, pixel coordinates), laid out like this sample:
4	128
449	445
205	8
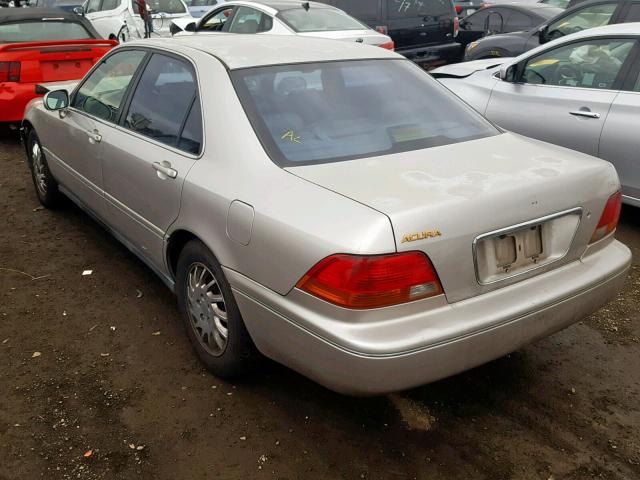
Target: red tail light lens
382	29
456	26
609	219
360	282
9	71
458	9
389	45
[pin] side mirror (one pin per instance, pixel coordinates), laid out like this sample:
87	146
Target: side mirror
190	27
79	11
508	73
56	100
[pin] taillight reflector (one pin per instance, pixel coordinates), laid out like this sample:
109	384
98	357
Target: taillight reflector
609	218
360	282
456	26
458	9
389	45
9	71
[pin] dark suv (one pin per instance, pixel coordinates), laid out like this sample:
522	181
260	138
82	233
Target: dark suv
590	14
423	30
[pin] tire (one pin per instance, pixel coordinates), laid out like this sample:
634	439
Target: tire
44	183
204	319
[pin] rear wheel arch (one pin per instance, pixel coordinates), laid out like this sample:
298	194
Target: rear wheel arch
175	244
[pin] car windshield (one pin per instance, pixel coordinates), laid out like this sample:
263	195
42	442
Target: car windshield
166	6
319	20
418	8
336	111
42	30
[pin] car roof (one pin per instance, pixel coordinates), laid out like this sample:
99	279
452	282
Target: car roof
245	51
280	5
17	14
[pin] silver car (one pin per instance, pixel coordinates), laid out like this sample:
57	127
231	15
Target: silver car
581	91
329	205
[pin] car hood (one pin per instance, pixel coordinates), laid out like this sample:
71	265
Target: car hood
464	69
467	189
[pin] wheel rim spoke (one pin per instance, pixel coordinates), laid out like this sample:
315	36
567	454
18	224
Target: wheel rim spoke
207	309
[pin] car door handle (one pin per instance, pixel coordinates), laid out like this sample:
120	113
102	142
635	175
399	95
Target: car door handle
165	169
94	136
585	113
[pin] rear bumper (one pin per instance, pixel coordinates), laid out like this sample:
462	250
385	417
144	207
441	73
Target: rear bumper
433	55
367	357
13	100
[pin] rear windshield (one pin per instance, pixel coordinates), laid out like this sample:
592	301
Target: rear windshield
319	20
166	6
418	8
39	30
336	111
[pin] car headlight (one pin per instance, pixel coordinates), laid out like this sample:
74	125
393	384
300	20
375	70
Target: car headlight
472	45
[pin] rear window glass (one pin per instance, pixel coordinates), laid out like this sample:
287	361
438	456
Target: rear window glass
36	31
166	6
418	8
357	8
335	111
319	20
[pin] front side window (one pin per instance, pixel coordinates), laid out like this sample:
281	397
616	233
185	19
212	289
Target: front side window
335	111
102	92
109	5
633	15
590	64
418	8
589	17
93	6
557	3
250	20
216	22
162	100
476	21
319	20
519	20
42	30
166	6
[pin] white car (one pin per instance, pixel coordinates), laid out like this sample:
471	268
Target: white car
283	17
120	19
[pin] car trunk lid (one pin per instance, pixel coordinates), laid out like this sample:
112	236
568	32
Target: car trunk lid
55	61
445	200
365	36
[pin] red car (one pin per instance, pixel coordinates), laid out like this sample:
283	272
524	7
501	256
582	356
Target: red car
39	45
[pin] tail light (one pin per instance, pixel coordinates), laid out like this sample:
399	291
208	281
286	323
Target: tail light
456	26
360	282
389	45
382	29
458	9
9	71
609	219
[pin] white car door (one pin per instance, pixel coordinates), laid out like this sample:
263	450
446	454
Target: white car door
619	142
563	94
114	19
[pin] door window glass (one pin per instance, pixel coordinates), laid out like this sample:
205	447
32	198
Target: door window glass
93	6
162	99
519	20
589	17
495	23
476	21
216	21
191	138
636	88
633	15
102	92
250	20
110	4
591	64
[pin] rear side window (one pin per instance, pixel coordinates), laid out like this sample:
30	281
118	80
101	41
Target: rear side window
250	20
633	15
42	30
166	6
335	111
162	100
109	5
319	20
418	8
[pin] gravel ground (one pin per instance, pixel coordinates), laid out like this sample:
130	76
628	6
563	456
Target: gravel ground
97	380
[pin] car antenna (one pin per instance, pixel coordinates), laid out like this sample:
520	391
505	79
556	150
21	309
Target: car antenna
306	6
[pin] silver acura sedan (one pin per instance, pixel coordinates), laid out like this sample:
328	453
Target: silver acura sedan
330	206
581	91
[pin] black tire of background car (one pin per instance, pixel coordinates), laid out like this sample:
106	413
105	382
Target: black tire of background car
240	355
52	196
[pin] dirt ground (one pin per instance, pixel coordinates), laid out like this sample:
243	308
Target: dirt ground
98	380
